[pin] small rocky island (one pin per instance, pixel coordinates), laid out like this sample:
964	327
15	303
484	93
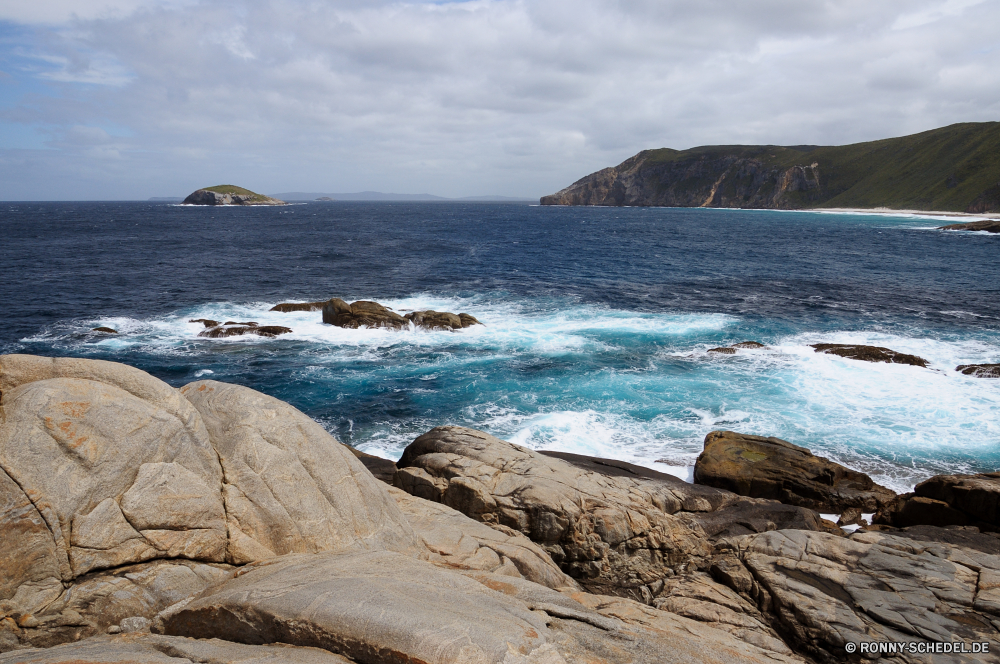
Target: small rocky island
228	194
988	225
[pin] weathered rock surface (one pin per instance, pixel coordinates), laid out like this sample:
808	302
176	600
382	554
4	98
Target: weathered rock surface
441	320
988	225
948	500
456	541
362	606
615	532
363	313
822	592
99	600
290	486
980	370
231	329
381	469
723	350
773	468
158	649
229	196
207	322
870	354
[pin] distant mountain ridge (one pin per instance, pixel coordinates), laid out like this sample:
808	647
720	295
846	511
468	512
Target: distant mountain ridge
954	168
380	196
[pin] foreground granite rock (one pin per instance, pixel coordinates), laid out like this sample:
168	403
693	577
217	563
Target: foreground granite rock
441	320
822	592
948	500
362	606
870	354
147	648
103	466
773	468
615	532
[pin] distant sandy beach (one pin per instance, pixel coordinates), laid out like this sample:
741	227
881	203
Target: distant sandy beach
921	213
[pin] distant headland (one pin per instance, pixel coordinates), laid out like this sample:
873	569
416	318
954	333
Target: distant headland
227	194
954	169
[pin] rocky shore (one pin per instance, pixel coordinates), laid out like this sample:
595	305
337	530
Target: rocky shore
213	523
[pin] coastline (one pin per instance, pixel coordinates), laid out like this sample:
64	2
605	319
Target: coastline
890	212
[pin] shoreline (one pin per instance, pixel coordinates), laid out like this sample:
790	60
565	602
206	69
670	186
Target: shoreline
890	212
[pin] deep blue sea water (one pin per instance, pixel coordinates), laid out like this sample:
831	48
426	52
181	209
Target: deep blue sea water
597	321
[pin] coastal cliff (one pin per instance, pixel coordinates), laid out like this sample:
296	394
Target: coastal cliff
227	194
955	168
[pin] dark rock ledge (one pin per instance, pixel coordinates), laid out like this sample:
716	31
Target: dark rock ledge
217	524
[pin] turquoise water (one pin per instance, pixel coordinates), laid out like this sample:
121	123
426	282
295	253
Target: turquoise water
591	344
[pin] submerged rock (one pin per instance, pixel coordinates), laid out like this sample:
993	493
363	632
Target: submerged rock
106	330
363	313
776	469
749	344
870	354
231	329
988	225
980	370
724	350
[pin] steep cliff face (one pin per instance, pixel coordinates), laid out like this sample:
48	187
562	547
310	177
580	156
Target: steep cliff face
953	168
702	181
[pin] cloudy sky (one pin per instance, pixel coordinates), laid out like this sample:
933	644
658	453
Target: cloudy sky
126	99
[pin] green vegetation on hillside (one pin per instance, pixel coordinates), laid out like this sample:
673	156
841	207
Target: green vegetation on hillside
954	168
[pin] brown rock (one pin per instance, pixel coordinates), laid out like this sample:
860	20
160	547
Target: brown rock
147	648
363	313
724	350
773	468
749	344
382	469
441	320
870	354
106	330
288	307
948	500
988	225
207	322
231	329
980	370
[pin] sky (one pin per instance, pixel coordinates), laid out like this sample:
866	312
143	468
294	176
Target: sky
128	99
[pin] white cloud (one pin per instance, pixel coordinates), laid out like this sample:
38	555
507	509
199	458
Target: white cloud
486	96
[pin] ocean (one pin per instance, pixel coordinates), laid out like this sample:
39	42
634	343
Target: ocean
597	321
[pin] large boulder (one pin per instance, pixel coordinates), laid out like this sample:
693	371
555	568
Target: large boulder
441	320
948	500
363	313
822	592
385	607
103	467
776	469
614	530
148	648
290	486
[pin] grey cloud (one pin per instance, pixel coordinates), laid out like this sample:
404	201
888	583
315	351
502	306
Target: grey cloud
488	96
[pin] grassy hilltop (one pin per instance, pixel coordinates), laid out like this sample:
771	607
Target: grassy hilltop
954	168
